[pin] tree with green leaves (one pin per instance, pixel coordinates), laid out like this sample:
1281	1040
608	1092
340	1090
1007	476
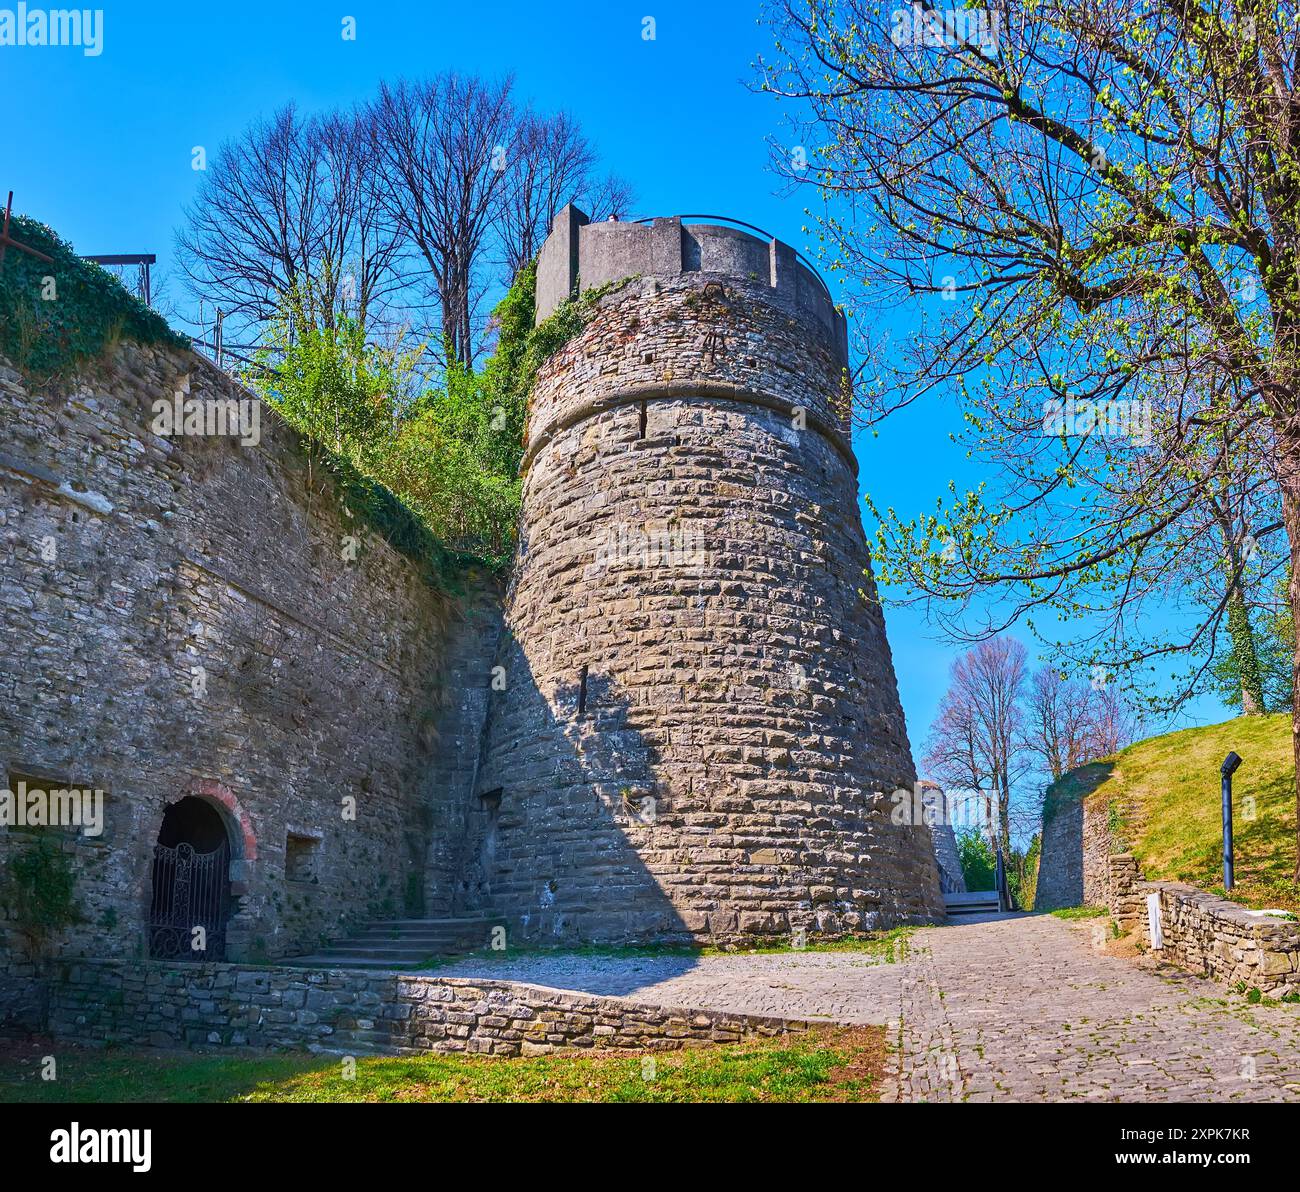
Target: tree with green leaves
977	741
1272	632
338	387
978	863
1093	209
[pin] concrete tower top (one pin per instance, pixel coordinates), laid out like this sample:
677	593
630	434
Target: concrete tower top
581	254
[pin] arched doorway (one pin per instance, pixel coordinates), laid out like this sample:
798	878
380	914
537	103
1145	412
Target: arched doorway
190	903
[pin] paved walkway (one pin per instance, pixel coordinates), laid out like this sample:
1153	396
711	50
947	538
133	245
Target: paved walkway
1023	1008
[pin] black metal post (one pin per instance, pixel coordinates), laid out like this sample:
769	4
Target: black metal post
1229	767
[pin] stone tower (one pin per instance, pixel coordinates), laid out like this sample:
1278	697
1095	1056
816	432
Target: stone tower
699	732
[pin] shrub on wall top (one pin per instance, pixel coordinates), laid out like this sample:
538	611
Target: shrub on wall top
55	314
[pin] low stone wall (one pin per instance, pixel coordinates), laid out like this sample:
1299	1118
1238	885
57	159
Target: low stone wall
365	1012
1208	935
1220	939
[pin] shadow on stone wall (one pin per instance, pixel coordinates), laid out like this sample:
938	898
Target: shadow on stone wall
568	802
1061	866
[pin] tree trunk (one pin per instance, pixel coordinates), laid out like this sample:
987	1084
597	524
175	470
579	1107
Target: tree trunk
1291	519
1245	654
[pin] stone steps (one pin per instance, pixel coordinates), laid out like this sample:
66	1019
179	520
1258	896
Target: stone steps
974	902
404	943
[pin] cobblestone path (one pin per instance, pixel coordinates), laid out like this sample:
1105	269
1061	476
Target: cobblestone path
1023	1008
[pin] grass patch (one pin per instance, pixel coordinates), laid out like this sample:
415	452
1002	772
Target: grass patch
1174	782
887	946
1079	912
838	1064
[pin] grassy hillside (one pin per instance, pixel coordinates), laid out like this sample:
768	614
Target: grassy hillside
1163	800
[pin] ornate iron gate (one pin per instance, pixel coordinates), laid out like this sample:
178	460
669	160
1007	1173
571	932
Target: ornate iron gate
189	890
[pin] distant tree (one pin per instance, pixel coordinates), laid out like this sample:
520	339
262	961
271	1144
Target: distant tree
445	145
978	863
552	164
1058	721
291	207
1069	722
1112	722
976	742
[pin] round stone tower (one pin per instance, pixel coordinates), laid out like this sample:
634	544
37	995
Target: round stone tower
695	729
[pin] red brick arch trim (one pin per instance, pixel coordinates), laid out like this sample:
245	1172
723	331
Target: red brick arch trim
214	792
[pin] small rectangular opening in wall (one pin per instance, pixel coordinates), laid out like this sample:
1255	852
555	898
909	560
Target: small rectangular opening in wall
491	800
582	690
645	417
35	803
301	858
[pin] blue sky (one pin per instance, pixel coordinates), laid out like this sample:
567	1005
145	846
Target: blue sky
100	149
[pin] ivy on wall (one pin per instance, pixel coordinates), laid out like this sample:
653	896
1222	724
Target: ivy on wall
449	476
57	314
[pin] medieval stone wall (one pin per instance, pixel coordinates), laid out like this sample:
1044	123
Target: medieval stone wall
1081	835
227	1005
700	728
183	616
1060	863
693	729
939	815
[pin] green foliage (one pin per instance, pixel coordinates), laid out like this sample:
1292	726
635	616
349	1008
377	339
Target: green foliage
333	384
344	394
39	890
456	458
978	860
1271	630
1080	912
1116	828
55	314
1022	873
405	531
438	475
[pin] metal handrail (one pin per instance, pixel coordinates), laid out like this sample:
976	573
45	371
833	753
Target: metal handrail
749	227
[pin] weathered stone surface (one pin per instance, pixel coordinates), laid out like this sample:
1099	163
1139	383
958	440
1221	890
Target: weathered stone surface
417	1014
1216	938
699	731
700	723
1201	932
323	677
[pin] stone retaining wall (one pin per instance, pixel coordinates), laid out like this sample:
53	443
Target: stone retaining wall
1060	865
1125	890
1080	835
359	1012
1226	941
196	616
1209	935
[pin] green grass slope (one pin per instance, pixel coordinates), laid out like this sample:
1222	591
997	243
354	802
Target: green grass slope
1162	796
834	1064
